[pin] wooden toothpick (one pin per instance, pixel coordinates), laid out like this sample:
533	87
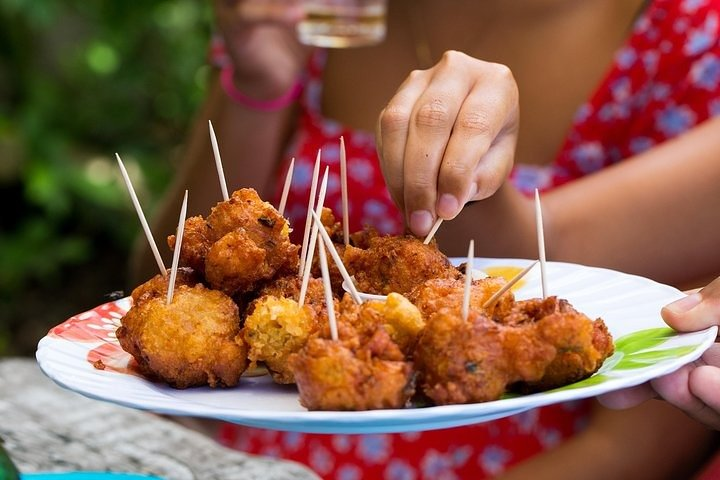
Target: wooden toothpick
313	239
329	300
496	296
541	243
286	188
141	216
218	162
308	218
338	261
344	193
468	280
432	231
178	246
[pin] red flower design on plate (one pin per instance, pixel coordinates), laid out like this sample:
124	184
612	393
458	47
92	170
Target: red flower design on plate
98	326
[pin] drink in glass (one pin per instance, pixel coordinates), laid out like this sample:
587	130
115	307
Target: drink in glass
343	23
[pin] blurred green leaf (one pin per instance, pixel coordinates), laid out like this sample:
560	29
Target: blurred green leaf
102	58
80	81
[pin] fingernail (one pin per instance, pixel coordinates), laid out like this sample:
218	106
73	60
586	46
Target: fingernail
685	304
447	205
420	222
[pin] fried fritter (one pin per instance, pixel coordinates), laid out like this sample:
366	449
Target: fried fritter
348	375
473	360
396	264
541	344
400	318
191	342
288	286
243	243
581	344
158	285
197	240
365	368
436	294
333	228
277	328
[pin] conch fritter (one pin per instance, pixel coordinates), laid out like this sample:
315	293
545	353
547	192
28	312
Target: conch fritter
191	342
581	344
243	243
437	294
157	286
396	264
349	375
541	344
474	360
277	328
397	315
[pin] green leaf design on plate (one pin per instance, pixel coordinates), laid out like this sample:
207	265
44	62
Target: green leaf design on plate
643	359
644	339
590	381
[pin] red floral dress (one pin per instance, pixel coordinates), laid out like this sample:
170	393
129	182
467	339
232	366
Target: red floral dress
663	81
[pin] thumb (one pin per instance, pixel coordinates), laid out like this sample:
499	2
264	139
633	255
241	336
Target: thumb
697	311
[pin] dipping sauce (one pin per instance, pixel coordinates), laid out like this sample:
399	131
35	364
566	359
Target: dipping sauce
507	272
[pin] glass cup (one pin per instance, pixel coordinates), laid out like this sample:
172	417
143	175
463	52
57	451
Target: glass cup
343	23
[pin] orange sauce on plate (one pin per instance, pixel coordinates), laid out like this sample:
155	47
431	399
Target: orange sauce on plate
506	272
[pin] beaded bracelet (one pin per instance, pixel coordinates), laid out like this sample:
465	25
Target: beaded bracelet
284	100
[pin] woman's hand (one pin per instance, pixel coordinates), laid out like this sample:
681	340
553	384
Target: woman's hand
261	40
448	137
694	388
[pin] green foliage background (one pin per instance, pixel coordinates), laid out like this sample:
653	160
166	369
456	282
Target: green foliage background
80	81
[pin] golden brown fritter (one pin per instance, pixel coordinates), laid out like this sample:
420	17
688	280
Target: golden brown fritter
197	240
243	243
581	344
288	286
335	232
347	375
277	328
396	264
399	317
157	286
332	226
361	238
541	344
473	360
191	342
437	294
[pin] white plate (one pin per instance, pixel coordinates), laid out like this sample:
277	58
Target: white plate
630	305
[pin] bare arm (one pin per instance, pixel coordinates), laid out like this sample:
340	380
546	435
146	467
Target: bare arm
267	60
654	441
654	215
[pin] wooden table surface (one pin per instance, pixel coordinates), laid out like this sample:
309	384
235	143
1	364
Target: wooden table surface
48	428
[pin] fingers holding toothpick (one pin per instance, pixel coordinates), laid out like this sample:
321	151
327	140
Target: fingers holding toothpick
432	231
